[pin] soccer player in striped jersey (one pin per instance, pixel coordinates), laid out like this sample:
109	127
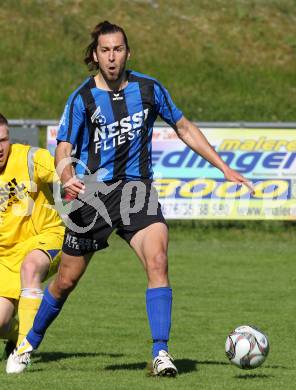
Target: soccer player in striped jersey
109	121
31	234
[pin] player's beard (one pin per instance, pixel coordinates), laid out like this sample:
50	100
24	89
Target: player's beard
116	76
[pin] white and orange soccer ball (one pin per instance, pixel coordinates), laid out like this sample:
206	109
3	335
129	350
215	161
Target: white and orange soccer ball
247	347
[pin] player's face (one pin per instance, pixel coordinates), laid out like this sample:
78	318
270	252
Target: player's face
4	146
111	54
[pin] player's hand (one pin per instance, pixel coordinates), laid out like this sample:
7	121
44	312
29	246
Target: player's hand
73	187
236	177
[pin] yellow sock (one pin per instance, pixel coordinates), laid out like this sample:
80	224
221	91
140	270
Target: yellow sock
12	334
27	310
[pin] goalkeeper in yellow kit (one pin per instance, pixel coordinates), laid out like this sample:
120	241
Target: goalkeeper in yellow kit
31	234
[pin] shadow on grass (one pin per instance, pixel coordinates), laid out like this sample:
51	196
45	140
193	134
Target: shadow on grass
213	363
253	376
128	366
45	357
184	366
277	366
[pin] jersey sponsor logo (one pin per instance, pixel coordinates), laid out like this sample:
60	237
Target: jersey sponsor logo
11	192
117	133
98	118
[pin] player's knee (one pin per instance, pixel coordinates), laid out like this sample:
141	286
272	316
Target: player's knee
65	284
158	263
30	268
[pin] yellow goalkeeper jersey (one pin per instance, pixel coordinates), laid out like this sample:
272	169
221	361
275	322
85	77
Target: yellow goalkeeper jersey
25	196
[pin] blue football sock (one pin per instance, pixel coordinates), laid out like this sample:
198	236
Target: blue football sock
49	309
159	309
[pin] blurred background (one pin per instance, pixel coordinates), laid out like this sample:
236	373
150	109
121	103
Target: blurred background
222	60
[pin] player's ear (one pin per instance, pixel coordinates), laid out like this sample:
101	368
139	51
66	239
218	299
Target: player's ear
128	55
95	57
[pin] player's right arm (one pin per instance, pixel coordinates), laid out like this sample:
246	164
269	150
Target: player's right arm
71	123
71	184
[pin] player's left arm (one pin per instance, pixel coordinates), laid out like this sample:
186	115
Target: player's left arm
192	136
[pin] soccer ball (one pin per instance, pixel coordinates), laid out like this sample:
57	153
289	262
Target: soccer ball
247	347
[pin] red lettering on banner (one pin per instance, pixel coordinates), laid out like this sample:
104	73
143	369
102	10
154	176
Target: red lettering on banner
53	133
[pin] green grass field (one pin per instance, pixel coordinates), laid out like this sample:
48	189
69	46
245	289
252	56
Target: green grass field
222	277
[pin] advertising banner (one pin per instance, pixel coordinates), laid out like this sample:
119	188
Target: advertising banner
191	188
51	138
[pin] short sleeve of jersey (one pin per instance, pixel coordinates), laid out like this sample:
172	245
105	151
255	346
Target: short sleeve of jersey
44	169
72	120
166	108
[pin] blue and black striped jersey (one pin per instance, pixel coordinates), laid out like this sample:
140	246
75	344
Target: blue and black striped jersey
113	130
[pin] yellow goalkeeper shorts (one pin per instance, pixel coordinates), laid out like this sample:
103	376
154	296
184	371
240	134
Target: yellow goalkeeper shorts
10	262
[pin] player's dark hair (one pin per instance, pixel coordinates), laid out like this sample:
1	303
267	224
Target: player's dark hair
101	29
3	120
